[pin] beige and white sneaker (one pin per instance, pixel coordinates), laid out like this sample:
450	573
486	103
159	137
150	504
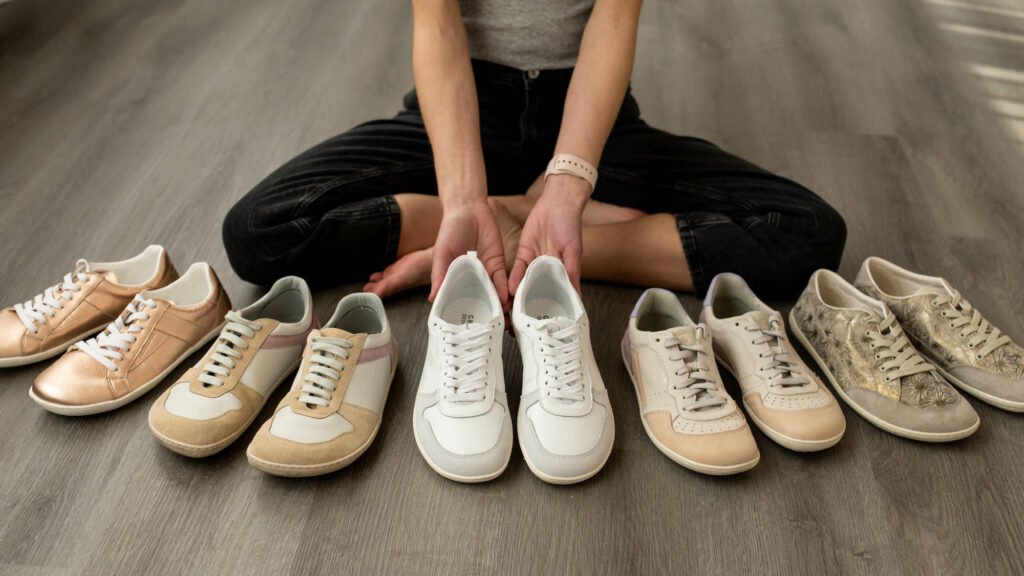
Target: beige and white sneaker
683	404
156	331
861	348
333	411
782	395
89	298
969	351
219	397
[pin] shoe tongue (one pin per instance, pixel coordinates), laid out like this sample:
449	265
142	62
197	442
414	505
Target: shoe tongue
336	333
685	334
944	290
759	318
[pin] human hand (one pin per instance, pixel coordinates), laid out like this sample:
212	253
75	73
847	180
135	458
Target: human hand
554	228
464	227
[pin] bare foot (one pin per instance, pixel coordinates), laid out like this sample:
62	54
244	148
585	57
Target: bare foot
594	214
413	269
408	272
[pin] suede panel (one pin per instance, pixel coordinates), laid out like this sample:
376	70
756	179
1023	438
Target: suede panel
809	425
997	385
270	448
730	448
200	433
946	418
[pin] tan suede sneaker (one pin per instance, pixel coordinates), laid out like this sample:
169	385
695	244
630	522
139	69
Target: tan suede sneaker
783	397
86	300
860	346
683	404
333	411
969	351
217	400
155	332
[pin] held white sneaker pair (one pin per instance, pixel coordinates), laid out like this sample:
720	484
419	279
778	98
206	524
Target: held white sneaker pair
462	422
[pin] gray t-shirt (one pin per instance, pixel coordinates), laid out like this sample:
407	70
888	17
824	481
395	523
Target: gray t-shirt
526	34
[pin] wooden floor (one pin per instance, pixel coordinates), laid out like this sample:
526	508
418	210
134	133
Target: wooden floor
126	122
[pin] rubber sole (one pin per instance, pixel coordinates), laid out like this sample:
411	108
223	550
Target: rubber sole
794	444
46	354
320	468
202	451
693	465
109	405
886	426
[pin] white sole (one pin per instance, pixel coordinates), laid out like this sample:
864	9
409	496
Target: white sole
202	451
886	426
794	444
562	480
319	469
695	466
107	406
46	354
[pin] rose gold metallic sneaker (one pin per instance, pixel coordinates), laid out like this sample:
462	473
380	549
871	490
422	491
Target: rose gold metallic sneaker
86	300
155	332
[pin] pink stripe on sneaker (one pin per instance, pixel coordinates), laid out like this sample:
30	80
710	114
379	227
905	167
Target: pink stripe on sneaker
369	355
273	342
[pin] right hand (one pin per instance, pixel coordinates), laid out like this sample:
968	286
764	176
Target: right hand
465	227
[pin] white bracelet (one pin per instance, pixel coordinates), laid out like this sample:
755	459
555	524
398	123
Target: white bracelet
574	165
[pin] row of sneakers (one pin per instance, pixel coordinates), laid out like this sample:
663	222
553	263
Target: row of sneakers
684	406
155	319
896	345
462	421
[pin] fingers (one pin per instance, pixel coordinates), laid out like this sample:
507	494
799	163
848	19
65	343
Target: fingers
442	259
571	260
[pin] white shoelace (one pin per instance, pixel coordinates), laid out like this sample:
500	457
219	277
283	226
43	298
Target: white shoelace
117	338
231	342
325	367
696	384
781	368
900	358
52	299
561	353
466	353
974	328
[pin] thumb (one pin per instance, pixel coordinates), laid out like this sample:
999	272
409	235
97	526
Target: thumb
437	271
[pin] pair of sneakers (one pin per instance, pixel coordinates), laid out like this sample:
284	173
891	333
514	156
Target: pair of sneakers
462	421
684	406
892	343
154	320
332	412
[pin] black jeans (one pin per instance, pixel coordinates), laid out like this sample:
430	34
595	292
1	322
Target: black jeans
336	198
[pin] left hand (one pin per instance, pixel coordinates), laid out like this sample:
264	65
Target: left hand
554	228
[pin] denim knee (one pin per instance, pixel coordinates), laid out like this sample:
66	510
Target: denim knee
242	244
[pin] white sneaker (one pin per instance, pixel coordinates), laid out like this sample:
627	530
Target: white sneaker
462	423
566	427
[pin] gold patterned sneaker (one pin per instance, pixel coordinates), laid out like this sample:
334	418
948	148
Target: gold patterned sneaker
860	346
86	300
155	332
968	350
217	400
333	411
